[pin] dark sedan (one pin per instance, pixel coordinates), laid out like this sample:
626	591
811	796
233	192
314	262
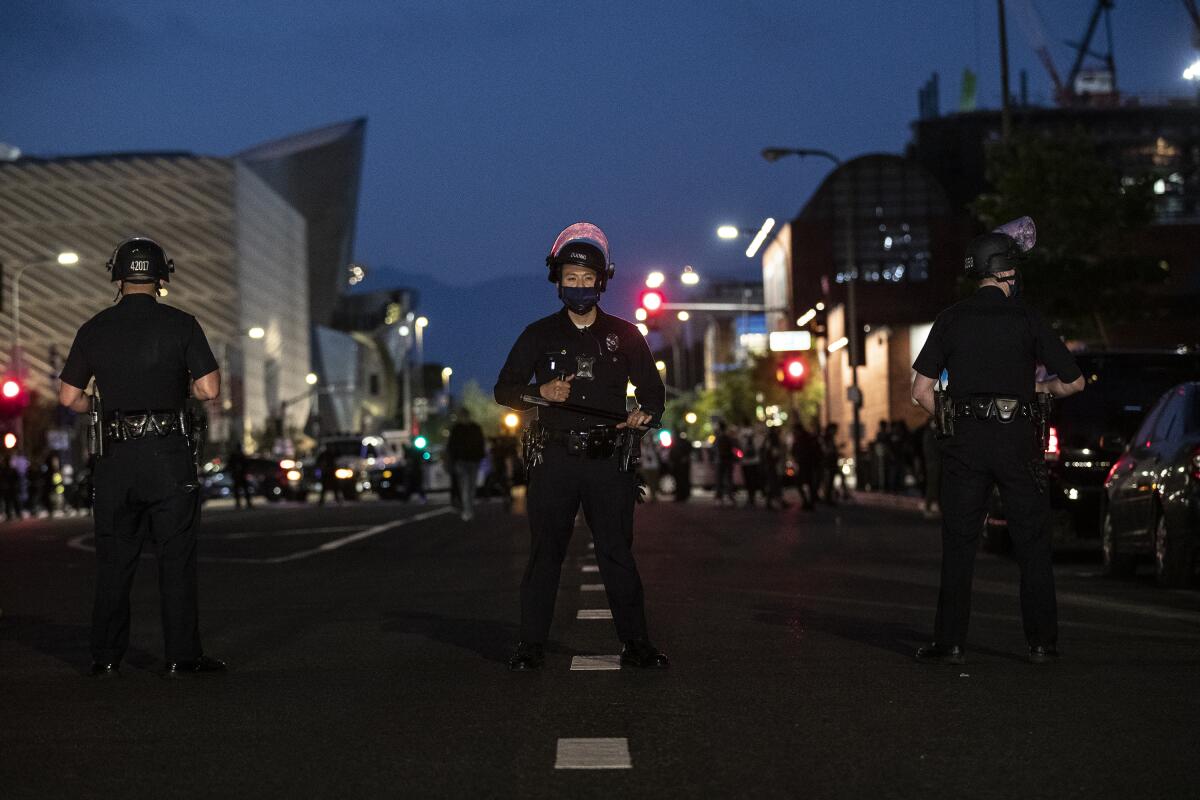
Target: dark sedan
1153	492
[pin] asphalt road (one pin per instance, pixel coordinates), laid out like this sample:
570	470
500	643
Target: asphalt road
367	647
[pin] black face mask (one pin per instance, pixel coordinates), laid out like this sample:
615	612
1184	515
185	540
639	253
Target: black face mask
1014	283
580	299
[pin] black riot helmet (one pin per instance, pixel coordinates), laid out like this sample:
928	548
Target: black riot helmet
140	260
990	254
585	245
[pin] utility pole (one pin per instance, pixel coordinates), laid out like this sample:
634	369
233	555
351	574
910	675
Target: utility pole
1005	107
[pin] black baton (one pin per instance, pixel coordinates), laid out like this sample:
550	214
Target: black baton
578	409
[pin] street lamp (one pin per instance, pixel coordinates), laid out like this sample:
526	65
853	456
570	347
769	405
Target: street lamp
311	379
446	373
689	277
757	237
655	279
256	332
773	154
728	232
67	258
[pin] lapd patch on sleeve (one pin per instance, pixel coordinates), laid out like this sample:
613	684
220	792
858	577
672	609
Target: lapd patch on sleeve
583	367
612	342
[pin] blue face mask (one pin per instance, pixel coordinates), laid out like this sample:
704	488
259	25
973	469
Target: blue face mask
580	299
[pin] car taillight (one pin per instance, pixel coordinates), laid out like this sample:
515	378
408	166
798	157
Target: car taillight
1113	471
1052	451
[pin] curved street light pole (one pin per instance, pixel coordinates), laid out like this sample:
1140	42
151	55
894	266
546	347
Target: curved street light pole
853	331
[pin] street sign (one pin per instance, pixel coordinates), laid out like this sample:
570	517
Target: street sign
788	341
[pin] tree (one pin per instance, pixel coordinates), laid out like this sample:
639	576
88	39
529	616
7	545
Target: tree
1084	271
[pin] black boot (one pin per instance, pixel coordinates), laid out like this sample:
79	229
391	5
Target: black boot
1041	654
104	669
941	654
528	657
643	655
177	669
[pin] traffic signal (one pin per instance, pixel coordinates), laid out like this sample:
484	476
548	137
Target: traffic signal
651	301
792	373
14	397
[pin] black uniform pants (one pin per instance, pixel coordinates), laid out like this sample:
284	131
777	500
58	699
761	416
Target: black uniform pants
146	488
980	456
557	488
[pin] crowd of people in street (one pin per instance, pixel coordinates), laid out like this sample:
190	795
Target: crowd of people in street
39	489
743	464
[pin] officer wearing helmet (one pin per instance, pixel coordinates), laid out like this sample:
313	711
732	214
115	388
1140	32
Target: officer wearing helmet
991	345
144	357
585	357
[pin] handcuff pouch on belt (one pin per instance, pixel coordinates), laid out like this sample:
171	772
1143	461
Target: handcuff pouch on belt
122	427
984	407
600	442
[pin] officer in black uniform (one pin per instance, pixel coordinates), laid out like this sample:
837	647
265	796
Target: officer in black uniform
588	357
144	356
991	344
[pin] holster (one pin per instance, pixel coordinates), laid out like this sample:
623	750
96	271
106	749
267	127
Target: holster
943	415
533	443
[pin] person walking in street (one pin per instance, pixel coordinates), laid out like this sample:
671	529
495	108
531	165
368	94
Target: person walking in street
236	464
10	489
806	454
725	447
586	357
831	468
772	469
465	448
144	357
991	344
651	466
327	467
752	461
679	461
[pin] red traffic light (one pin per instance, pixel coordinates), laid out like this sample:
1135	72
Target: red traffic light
791	373
652	300
10	389
14	398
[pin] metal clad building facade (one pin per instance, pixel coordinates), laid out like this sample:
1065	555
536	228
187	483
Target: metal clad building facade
238	247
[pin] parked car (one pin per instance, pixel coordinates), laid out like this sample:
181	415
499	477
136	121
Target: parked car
271	478
1088	431
1153	492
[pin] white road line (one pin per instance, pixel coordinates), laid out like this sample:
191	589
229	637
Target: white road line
594	613
78	541
591	545
592	587
292	532
591	568
593	754
595	663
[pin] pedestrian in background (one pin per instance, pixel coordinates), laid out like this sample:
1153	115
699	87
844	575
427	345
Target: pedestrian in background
236	465
772	469
725	445
831	467
651	465
680	461
806	454
327	466
881	457
10	487
414	473
752	461
465	448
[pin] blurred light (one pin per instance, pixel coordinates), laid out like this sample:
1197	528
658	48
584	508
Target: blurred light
447	372
760	237
640	315
643	329
422	322
728	232
795	369
10	440
658	365
311	379
294	475
820	306
68	258
256	333
786	341
343	474
287	463
655	279
420	442
387	473
1052	451
689	277
426	456
1192	73
664	438
11	388
1160	186
511	420
690	418
806	317
403	330
630	390
1072	493
683	316
839	344
652	301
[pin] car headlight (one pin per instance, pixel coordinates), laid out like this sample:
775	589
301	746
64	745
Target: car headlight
293	475
343	474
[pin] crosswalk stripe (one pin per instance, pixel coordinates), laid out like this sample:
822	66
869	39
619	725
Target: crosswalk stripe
594	613
610	753
592	587
591	568
595	663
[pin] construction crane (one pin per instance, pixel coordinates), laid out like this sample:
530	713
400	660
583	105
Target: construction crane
1082	86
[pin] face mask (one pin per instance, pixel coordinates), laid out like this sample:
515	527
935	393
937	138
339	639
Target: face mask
1014	284
580	299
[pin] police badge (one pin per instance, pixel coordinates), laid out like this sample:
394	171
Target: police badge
583	367
612	342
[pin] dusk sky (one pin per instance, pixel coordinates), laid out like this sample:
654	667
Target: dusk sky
493	125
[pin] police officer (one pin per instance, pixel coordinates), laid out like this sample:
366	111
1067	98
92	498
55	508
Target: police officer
144	356
991	344
587	357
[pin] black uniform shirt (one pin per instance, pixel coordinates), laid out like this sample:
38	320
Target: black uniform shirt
604	357
991	344
142	353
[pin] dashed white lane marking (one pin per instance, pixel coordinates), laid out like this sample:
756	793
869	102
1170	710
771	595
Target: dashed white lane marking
592	587
594	613
593	754
79	542
595	663
591	568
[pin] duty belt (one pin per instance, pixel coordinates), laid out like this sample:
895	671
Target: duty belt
123	426
985	407
598	442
